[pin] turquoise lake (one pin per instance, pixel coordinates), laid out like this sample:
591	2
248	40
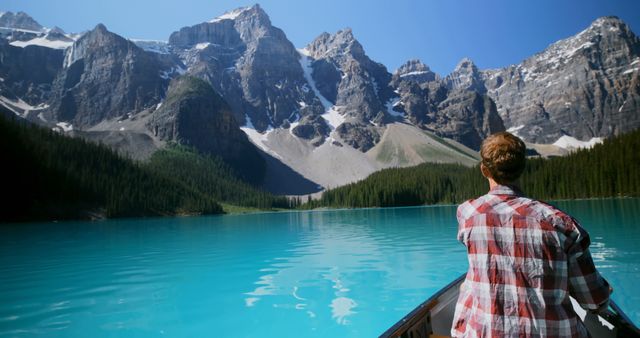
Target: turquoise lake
341	273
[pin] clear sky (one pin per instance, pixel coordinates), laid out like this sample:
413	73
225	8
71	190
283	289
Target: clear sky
493	33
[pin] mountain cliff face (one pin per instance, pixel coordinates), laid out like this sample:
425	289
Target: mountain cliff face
356	88
455	107
251	64
28	72
585	86
105	76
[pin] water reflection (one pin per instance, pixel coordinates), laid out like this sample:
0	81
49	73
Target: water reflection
332	256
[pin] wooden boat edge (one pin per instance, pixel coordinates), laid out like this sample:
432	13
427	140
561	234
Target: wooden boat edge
413	316
617	317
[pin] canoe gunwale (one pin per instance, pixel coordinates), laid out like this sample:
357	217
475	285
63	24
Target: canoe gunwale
614	315
408	320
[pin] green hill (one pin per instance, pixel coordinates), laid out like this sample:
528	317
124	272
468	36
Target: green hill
606	170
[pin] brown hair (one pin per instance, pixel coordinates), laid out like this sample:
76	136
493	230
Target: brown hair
503	154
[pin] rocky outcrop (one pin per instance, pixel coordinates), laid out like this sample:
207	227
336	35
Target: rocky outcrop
585	86
462	113
28	72
106	76
194	114
251	64
467	117
414	71
313	128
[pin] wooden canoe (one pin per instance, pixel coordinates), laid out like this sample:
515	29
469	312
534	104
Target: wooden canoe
434	318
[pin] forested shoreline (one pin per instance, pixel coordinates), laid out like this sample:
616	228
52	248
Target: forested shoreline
50	176
609	169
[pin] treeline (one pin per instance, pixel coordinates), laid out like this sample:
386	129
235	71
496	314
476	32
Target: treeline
52	176
212	177
606	170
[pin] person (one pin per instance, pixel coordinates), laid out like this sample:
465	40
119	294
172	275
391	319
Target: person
526	258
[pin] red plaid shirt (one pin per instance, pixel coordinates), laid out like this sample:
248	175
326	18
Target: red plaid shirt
525	259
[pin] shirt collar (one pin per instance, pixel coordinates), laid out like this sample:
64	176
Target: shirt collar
506	190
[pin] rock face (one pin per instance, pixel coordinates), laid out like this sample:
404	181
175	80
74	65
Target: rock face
194	114
251	64
585	86
357	87
455	107
466	76
28	72
105	76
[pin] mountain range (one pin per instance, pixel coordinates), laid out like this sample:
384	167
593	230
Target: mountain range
297	120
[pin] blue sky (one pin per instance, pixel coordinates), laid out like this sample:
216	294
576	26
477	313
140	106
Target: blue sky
493	33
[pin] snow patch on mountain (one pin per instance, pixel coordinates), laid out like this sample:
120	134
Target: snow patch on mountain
44	42
66	127
154	46
332	114
202	45
257	137
20	30
393	103
414	73
21	108
514	130
568	142
230	15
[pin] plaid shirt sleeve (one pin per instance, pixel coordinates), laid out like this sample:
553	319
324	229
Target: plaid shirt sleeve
586	285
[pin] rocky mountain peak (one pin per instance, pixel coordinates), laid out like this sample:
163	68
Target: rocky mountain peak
610	23
56	30
100	28
99	37
466	65
466	76
415	70
245	13
343	42
20	20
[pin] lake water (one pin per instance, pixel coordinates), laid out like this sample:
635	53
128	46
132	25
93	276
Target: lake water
345	273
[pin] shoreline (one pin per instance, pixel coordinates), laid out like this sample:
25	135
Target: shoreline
232	210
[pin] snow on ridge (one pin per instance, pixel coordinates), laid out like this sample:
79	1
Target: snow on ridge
44	42
22	30
230	15
331	114
417	72
569	142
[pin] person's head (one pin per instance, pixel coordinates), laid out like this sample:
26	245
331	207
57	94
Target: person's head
503	157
